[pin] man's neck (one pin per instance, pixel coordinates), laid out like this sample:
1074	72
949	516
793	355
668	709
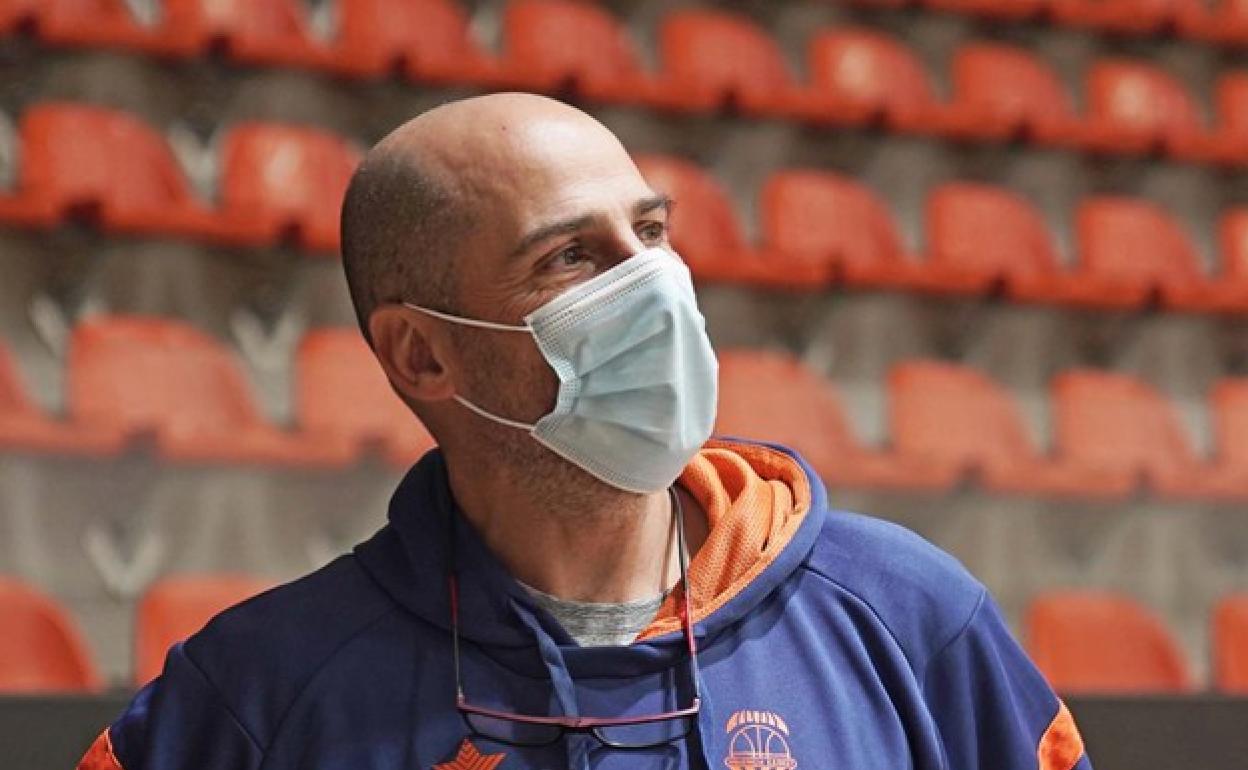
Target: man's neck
604	546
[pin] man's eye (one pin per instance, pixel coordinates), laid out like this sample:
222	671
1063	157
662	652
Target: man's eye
569	257
652	231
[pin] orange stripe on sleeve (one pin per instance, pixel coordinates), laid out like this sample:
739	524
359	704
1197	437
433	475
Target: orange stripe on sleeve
1061	746
100	756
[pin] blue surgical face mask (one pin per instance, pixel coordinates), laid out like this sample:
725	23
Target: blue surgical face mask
637	375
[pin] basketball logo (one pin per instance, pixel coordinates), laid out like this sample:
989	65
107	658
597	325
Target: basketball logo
758	742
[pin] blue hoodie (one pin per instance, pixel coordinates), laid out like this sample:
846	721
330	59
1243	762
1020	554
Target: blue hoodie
828	640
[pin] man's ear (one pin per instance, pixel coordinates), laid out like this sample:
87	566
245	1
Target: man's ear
408	355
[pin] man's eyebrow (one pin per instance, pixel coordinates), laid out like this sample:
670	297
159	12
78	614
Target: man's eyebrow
562	227
646	205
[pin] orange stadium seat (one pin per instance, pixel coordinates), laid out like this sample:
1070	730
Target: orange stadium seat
266	32
25	428
707	233
174	608
1229	140
1228	412
1124	16
1220	21
281	180
1125	429
861	76
932	402
555	44
1230	644
341	391
1006	92
1232	280
150	376
1009	10
428	40
715	58
834	224
1102	642
76	22
41	649
1017	251
1130	250
773	397
108	165
1138	108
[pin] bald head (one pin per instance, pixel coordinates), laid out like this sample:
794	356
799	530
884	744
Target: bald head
454	179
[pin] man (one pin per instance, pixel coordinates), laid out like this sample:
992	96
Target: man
577	578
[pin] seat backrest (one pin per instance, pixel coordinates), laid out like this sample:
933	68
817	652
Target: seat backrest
1135	241
828	217
568	40
1019	243
1092	641
1140	97
174	608
41	649
1228	404
706	230
869	69
1233	243
72	15
933	406
149	374
79	155
256	23
1231	99
293	176
1009	83
14	398
1230	644
420	32
341	390
772	396
721	52
1117	423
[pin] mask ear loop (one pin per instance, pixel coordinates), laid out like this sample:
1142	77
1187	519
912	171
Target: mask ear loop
467	321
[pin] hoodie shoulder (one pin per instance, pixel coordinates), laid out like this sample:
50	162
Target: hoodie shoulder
922	595
259	655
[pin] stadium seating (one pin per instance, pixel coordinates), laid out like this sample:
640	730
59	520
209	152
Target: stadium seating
1138	108
964	256
1004	92
708	235
41	649
594	56
265	32
176	607
25	428
834	225
1007	10
713	59
81	161
931	404
1230	644
342	392
1123	16
1125	429
1131	250
1229	142
153	377
427	40
1101	642
803	411
863	77
75	22
280	180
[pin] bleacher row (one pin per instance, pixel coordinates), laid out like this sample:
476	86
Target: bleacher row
281	182
710	60
1084	641
131	378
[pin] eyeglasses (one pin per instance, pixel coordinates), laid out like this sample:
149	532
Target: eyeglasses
635	732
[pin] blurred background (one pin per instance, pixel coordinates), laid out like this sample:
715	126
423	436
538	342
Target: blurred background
984	262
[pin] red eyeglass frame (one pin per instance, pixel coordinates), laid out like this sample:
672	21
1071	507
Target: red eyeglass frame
590	724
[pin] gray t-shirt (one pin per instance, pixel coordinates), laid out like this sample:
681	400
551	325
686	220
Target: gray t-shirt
598	624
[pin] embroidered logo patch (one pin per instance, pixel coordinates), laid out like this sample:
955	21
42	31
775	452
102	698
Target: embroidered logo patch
758	742
469	758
